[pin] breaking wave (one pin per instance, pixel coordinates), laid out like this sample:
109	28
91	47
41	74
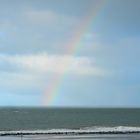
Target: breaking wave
85	130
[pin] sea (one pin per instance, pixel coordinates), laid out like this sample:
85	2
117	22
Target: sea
69	123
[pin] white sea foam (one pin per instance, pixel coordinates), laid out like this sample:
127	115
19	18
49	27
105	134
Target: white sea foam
86	130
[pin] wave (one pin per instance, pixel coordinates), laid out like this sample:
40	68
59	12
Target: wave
86	130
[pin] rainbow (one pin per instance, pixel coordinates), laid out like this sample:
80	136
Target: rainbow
73	48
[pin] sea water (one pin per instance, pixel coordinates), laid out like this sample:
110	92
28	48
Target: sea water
69	137
69	123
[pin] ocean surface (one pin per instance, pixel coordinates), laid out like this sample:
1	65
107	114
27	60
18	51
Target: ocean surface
69	123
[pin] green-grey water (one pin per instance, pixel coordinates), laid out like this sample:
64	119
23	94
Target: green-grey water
49	118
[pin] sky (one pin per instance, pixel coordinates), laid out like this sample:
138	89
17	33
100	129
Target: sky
70	53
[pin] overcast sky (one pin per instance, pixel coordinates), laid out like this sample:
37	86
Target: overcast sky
36	37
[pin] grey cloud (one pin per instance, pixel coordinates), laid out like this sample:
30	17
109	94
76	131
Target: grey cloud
120	16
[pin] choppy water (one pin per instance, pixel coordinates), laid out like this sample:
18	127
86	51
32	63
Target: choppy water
42	118
69	123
